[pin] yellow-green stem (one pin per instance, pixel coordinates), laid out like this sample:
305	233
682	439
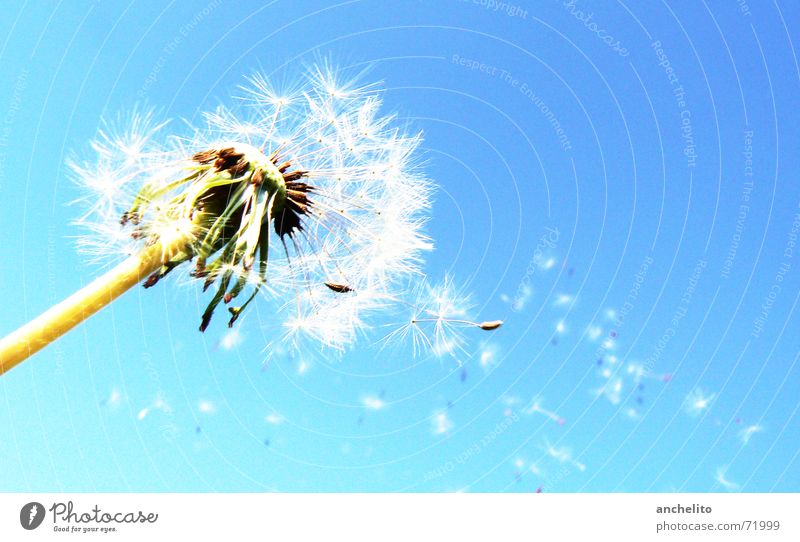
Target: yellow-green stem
59	319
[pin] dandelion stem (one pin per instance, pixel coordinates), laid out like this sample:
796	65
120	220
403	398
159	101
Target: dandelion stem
59	319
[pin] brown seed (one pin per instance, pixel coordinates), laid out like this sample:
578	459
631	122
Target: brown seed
239	168
152	280
489	326
294	175
205	157
227	158
339	288
258	177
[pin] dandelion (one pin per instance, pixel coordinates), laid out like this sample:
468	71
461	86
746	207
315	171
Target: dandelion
308	196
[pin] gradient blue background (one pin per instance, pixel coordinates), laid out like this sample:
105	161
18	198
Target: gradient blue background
621	192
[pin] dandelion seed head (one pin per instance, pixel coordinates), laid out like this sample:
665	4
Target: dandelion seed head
296	188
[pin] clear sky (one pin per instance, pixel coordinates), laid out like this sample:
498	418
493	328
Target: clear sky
617	182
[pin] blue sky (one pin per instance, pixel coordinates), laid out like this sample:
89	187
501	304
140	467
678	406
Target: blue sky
647	152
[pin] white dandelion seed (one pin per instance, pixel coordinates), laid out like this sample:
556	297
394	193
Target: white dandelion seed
231	340
721	478
697	402
632	413
611	390
158	404
594	332
206	407
563	299
562	455
437	321
535	407
113	400
372	402
442	424
273	418
548	263
488	356
749	431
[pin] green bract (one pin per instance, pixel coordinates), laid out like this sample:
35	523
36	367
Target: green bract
227	204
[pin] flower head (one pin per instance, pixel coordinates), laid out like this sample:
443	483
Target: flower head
309	196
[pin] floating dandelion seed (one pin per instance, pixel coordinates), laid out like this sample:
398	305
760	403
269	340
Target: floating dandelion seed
113	400
488	356
274	418
639	373
206	407
158	404
438	320
535	407
372	402
562	455
749	431
611	389
563	299
594	332
231	340
311	197
442	424
697	402
721	479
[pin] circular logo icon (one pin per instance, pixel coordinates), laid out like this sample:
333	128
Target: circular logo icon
31	515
